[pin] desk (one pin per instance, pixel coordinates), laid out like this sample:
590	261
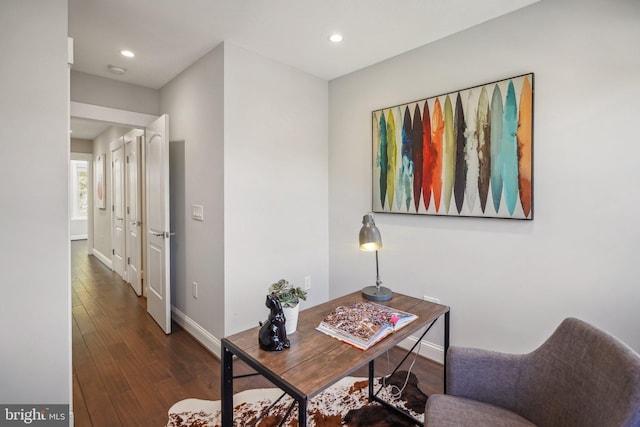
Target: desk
315	361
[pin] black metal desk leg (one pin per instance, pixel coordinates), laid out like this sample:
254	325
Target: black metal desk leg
302	412
227	388
446	348
371	369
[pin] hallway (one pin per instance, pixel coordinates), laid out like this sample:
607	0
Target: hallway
126	371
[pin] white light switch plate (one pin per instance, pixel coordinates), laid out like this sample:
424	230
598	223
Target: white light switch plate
197	212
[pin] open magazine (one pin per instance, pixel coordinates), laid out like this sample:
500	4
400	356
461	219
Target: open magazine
362	324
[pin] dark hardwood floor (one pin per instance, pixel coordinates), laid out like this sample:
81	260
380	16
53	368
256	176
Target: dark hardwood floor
127	372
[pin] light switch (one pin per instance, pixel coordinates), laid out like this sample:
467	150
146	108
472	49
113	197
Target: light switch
197	212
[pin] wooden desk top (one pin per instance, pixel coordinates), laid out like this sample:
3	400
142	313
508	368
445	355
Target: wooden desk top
315	360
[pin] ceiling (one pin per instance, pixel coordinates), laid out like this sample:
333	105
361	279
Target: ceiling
87	129
169	35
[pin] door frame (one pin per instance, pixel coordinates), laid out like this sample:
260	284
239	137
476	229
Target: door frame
115	145
135	270
119	117
113	116
89	158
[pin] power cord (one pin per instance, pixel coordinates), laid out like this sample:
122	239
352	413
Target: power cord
398	394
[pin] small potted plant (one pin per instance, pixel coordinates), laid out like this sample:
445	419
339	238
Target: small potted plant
289	297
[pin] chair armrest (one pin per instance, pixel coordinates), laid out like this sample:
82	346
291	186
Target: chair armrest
484	375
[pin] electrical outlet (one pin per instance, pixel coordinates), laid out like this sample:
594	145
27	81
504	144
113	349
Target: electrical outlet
194	290
431	299
307	283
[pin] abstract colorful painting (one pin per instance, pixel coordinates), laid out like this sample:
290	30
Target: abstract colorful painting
465	153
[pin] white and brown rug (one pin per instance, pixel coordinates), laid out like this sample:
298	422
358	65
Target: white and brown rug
343	404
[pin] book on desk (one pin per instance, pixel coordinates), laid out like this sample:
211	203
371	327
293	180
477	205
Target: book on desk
363	324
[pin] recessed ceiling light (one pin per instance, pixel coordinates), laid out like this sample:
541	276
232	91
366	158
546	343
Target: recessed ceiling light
117	70
127	53
336	38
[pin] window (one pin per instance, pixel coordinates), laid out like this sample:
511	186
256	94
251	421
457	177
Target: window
79	189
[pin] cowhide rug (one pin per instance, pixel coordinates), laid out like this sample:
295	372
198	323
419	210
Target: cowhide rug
343	404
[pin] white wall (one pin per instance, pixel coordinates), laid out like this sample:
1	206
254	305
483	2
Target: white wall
35	308
509	283
240	119
194	102
90	89
275	183
81	145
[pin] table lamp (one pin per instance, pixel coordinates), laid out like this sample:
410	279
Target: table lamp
370	240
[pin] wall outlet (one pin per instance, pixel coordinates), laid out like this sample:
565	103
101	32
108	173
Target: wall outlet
431	299
307	283
194	290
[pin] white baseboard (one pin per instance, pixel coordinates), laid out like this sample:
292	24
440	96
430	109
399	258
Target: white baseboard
427	349
103	259
201	335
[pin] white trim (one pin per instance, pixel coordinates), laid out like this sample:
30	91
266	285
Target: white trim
428	349
69	295
89	158
103	259
69	50
79	237
111	115
115	145
200	334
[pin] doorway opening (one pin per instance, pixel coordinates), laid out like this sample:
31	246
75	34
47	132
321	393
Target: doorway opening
80	174
130	229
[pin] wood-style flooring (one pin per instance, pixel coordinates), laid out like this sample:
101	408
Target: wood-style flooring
127	372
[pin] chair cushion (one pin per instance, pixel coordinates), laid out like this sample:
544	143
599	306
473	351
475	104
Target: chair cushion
452	411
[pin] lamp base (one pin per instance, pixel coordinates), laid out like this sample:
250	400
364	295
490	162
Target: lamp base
374	293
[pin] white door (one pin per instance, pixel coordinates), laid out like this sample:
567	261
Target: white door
117	208
133	212
157	224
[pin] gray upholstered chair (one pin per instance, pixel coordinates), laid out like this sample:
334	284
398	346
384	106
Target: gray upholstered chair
580	377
